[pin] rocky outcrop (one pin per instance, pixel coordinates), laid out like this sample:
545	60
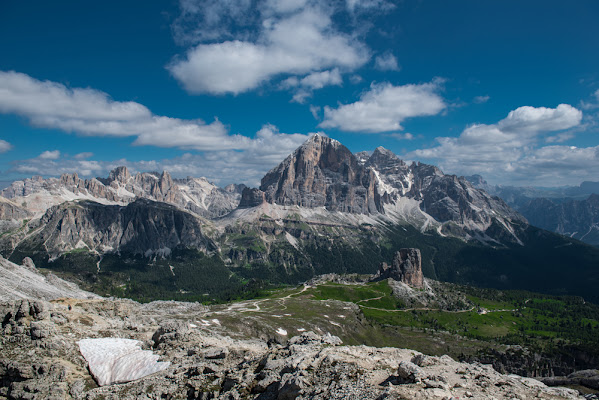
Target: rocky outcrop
40	359
142	227
11	211
588	378
251	198
197	195
406	268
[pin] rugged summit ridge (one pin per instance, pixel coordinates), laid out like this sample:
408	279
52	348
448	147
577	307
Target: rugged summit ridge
197	195
324	173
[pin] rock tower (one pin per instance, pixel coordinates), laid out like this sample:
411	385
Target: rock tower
406	268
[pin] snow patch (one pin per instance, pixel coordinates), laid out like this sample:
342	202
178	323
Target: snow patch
281	331
292	240
115	360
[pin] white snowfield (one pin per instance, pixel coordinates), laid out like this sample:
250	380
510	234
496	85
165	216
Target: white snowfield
115	360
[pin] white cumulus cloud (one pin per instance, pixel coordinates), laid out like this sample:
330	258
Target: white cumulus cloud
295	38
92	112
384	107
50	155
316	80
509	150
4	146
386	62
265	151
540	119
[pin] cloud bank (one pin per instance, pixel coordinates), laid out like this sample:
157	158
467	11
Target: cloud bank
510	149
91	112
265	151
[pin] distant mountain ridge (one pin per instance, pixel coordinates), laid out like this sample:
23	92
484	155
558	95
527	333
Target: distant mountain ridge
193	194
578	219
572	211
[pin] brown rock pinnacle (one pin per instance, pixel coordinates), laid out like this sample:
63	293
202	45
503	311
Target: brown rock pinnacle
406	268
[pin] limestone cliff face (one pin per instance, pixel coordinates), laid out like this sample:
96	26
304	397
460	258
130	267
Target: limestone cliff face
142	227
11	211
251	198
322	173
406	268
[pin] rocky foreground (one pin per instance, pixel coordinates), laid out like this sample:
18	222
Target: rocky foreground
40	359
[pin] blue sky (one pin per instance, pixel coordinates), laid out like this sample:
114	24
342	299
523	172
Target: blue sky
226	89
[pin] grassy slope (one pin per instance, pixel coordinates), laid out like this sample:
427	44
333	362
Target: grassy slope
554	326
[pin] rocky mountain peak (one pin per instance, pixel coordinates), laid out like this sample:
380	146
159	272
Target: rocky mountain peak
324	173
70	179
383	159
321	172
476	180
120	174
234	188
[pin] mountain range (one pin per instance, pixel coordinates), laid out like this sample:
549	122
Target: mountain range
323	209
571	211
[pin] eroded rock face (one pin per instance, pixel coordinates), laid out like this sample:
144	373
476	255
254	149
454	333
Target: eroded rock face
406	268
25	282
251	198
11	211
142	227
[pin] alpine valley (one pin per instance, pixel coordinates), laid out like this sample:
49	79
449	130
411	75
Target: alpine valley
322	210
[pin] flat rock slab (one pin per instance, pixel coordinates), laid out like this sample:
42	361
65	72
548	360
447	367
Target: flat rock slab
115	360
